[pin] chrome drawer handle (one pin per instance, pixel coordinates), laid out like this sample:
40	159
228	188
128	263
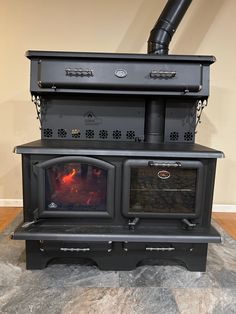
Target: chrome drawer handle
78	72
164	164
72	249
162	74
160	248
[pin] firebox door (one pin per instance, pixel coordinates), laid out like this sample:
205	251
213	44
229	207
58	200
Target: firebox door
75	186
163	188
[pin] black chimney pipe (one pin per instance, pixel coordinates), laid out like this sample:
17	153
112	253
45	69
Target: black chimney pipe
166	25
158	43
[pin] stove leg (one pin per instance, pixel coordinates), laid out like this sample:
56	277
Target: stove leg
197	260
34	257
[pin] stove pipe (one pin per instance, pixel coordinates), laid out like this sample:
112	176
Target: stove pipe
166	25
158	43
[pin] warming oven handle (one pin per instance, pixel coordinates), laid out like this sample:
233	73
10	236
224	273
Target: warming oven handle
164	164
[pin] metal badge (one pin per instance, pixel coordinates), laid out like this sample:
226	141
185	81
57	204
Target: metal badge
52	205
163	174
121	73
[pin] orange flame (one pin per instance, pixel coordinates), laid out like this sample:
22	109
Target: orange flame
68	178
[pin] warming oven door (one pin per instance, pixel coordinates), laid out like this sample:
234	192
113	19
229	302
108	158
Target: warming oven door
75	187
163	188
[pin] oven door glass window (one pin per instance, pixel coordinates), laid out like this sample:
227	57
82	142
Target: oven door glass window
75	186
155	190
163	188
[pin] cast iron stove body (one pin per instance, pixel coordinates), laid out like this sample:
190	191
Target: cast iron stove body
117	179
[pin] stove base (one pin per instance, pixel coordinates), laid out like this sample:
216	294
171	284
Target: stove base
192	256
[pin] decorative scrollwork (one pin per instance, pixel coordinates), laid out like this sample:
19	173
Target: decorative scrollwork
39	105
200	106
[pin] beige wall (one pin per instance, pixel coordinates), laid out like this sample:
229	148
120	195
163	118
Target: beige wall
113	26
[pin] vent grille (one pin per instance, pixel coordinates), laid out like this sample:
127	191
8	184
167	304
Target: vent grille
103	134
47	133
188	136
174	136
61	133
116	134
130	135
89	134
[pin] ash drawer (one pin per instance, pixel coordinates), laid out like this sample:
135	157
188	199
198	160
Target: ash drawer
75	247
120	75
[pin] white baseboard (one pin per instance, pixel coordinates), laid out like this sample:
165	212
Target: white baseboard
221	208
216	207
11	202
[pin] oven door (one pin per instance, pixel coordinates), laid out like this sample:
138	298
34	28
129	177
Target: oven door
162	188
75	186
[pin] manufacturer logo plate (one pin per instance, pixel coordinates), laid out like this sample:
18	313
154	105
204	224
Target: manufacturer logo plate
121	73
163	174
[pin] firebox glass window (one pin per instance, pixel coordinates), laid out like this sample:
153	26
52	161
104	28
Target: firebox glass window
75	187
158	190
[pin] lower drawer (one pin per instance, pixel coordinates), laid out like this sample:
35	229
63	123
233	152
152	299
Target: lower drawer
157	247
76	247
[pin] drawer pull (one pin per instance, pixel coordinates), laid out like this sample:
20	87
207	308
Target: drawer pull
72	249
78	72
160	248
162	74
164	164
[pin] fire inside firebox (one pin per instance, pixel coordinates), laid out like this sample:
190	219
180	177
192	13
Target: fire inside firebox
76	186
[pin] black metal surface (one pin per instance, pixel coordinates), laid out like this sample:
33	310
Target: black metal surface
180	121
49	231
165	27
119	74
137	76
99	148
35	54
154	120
92	118
115	255
98	118
31	196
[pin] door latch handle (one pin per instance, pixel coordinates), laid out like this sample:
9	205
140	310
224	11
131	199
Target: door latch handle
164	164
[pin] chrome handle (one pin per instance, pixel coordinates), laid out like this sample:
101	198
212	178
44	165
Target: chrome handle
164	164
162	74
72	249
78	72
160	248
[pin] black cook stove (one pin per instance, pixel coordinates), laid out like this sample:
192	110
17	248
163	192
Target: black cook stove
117	179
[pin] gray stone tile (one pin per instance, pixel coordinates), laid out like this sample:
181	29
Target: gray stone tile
166	277
70	276
9	274
122	301
11	251
205	301
24	300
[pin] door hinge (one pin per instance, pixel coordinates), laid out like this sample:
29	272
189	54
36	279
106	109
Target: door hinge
133	222
188	225
36	214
